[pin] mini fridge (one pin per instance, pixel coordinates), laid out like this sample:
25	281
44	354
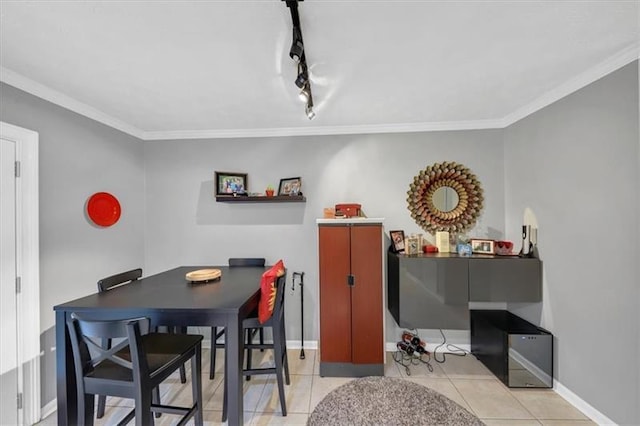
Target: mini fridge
519	353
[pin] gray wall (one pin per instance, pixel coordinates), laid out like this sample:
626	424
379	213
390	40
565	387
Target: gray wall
575	165
185	225
78	157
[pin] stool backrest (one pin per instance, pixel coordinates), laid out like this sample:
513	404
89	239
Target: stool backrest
119	279
87	353
278	309
247	261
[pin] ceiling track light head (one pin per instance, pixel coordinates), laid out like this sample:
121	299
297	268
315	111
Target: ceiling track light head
297	46
305	94
296	52
303	75
309	111
307	98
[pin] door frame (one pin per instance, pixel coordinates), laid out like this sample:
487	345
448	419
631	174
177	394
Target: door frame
28	268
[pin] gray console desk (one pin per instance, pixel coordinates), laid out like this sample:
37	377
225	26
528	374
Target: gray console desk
434	290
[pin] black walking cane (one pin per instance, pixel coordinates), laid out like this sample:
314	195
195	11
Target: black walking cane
301	276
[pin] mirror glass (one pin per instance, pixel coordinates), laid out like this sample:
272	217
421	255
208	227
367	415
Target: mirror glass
445	199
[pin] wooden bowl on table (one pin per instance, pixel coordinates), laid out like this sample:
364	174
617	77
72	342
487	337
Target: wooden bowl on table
203	275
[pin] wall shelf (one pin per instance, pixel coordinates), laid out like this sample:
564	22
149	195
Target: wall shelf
261	199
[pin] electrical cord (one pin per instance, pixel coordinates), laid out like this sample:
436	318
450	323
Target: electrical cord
453	350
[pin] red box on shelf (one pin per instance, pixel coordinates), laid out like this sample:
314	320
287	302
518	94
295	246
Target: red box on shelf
348	210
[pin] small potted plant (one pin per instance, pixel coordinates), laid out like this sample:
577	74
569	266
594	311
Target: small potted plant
269	191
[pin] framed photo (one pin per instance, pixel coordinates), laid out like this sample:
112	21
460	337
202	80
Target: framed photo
483	246
290	186
412	246
228	183
397	241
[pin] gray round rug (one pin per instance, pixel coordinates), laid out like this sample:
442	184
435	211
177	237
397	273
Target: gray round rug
388	401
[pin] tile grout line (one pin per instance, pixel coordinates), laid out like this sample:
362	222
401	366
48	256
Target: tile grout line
461	395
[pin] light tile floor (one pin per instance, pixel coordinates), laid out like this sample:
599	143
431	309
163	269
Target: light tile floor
463	379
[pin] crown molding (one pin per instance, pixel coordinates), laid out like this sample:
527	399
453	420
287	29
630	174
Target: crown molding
609	65
323	131
591	75
14	79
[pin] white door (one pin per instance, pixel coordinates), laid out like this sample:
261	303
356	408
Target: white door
8	318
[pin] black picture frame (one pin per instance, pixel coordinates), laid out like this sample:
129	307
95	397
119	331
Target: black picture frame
231	183
290	186
397	241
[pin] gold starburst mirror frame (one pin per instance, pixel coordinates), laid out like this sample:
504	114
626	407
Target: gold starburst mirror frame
445	197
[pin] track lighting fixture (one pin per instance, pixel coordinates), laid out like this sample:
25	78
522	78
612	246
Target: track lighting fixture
297	47
305	93
297	53
308	108
303	75
309	111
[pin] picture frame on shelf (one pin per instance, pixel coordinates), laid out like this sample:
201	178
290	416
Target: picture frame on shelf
231	183
412	245
290	186
483	246
397	241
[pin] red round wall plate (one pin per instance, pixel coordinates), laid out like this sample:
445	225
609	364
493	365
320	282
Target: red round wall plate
103	209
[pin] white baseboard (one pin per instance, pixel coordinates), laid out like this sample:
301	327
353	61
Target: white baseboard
581	404
389	346
313	345
49	409
291	344
296	344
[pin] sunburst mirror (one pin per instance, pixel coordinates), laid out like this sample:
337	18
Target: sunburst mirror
445	197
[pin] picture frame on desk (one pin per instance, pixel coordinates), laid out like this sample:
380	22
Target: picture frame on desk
397	241
483	246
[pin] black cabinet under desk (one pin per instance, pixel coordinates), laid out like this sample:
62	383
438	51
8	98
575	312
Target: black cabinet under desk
519	353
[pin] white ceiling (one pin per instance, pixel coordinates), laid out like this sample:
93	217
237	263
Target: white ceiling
185	69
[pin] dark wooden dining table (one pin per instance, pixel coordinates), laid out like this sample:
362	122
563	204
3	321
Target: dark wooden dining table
168	299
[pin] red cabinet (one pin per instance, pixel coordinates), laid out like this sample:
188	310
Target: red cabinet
351	299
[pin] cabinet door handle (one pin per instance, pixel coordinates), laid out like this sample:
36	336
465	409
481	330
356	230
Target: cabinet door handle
351	280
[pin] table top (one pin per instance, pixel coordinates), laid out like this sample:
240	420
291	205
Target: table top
171	291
